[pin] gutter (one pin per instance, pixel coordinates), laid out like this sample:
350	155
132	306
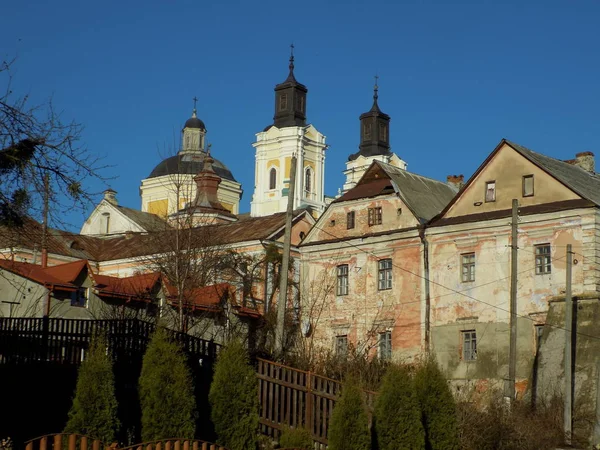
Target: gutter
427	290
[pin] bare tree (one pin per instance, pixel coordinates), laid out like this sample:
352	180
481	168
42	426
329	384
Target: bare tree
35	141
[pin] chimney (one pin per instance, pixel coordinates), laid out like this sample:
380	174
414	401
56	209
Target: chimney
458	181
111	196
585	160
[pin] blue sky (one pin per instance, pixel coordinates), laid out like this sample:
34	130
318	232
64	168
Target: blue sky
455	77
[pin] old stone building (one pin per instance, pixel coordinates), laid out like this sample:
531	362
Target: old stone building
469	262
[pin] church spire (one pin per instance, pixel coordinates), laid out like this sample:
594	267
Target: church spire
290	100
374	130
375	107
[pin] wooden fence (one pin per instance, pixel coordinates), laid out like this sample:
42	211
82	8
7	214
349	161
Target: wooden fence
26	340
39	359
296	398
62	441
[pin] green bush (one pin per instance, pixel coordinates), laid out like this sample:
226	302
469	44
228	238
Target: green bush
233	399
349	426
166	391
296	438
438	408
397	415
94	409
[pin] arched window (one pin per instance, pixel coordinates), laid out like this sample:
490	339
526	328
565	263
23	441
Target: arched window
272	178
308	180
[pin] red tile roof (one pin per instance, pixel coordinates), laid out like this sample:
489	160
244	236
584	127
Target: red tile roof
139	286
59	277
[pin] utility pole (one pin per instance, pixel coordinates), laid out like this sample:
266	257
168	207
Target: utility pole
285	262
45	238
568	412
512	368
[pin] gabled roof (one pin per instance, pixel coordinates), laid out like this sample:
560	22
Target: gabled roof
583	183
425	197
147	221
580	181
139	286
62	276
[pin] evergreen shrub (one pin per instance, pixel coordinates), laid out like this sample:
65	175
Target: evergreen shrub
438	408
94	409
166	391
296	438
233	399
349	425
397	415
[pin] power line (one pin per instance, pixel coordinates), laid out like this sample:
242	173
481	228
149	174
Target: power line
452	289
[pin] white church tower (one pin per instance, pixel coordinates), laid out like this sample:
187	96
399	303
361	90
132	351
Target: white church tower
289	135
374	144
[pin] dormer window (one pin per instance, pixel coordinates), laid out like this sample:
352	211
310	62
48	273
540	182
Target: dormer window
272	178
490	191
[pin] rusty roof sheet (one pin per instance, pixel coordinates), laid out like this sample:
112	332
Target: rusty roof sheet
139	244
135	286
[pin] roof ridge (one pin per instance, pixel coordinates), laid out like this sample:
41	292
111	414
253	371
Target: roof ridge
413	173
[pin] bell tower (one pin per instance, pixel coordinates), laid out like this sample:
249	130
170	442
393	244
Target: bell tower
374	143
289	135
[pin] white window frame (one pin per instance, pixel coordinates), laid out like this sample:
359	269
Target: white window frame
384	274
543	259
467	267
342	280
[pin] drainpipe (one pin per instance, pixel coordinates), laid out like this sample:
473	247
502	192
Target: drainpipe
427	293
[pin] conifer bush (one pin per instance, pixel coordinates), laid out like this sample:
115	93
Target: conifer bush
296	438
438	408
349	425
94	409
166	391
233	399
397	415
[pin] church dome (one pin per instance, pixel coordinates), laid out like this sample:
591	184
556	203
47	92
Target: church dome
189	164
194	122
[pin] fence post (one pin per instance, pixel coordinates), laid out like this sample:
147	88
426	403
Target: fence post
309	404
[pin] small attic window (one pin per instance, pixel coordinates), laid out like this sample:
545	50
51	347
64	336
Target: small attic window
528	186
490	191
75	245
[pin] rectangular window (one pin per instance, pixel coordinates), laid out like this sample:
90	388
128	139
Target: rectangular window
469	345
490	191
341	345
375	216
350	220
283	102
342	279
367	132
385	274
382	132
79	297
468	267
385	345
543	259
528	186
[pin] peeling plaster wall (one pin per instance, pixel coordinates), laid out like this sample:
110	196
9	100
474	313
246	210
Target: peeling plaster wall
367	311
483	304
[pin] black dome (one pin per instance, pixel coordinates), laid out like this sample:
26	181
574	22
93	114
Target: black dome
194	122
189	163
